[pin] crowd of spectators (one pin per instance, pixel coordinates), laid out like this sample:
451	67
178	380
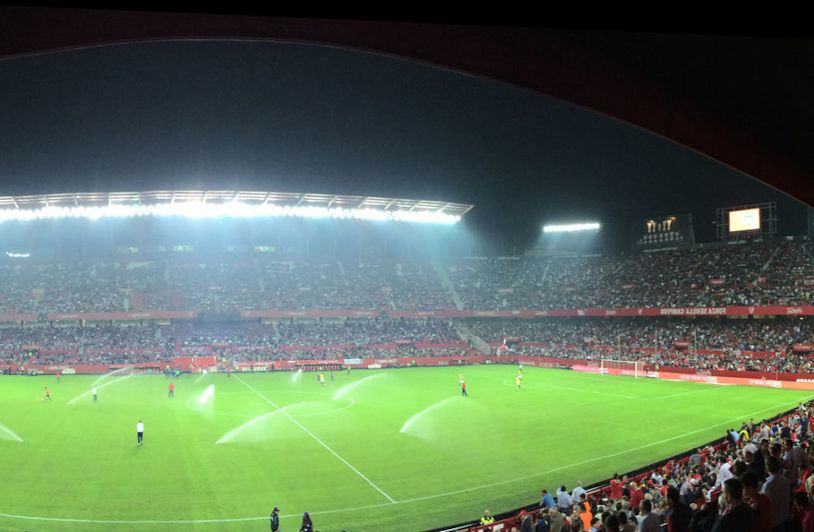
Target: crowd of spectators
305	339
758	479
704	344
757	273
775	335
366	331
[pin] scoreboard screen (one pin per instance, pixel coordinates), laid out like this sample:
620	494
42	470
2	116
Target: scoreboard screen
744	220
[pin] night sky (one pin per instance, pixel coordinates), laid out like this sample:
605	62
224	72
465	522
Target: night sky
262	116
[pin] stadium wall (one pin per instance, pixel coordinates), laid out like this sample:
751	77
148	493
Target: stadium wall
794	381
774	310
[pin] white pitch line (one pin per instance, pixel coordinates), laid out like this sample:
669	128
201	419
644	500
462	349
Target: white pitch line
316	438
560	386
188	521
133	521
97	387
635	398
371	506
707	388
595	459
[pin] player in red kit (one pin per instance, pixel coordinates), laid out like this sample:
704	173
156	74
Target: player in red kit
172	390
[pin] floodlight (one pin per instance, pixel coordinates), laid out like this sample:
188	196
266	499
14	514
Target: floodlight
570	228
227	204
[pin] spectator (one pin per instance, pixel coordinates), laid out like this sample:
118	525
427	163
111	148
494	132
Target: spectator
616	486
778	490
806	511
556	520
307	525
563	501
736	515
760	504
543	523
546	500
578	493
649	521
678	514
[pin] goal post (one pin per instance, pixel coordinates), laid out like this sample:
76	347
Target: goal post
609	366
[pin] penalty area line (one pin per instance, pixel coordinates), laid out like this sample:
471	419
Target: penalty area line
316	438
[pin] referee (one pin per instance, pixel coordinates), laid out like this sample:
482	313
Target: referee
140	432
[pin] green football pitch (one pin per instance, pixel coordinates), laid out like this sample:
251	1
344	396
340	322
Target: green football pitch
395	449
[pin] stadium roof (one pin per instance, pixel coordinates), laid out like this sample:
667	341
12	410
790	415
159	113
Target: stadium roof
231	203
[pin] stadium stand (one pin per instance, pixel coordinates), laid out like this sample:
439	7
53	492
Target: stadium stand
217	290
763	273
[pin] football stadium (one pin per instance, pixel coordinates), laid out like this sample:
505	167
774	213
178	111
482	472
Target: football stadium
551	324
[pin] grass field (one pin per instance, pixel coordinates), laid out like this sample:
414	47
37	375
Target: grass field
374	450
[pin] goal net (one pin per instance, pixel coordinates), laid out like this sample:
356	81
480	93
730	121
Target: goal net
621	367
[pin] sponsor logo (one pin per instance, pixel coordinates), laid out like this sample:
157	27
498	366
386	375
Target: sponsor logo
794	310
751	310
693	311
610	313
640	311
587	369
766	383
580	313
698	378
704	311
